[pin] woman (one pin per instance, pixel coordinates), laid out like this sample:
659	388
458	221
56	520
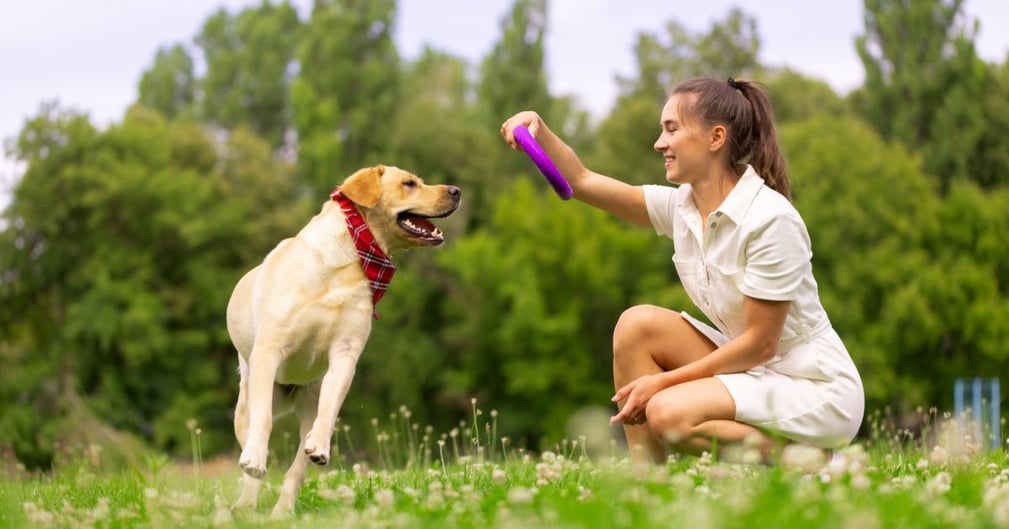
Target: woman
774	368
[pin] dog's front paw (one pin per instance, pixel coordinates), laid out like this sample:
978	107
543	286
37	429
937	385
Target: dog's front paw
253	461
317	452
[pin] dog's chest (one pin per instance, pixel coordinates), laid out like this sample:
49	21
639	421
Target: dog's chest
338	320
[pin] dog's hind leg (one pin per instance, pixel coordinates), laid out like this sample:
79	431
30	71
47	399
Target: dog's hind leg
335	384
263	363
306	402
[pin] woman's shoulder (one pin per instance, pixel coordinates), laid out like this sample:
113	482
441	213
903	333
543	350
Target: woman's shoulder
769	204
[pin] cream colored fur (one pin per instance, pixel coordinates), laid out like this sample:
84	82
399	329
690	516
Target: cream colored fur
303	316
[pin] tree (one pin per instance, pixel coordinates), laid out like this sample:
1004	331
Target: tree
924	79
796	97
513	76
250	58
915	285
628	133
989	167
122	240
169	86
347	89
438	131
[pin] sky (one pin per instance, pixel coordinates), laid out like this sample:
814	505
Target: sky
89	54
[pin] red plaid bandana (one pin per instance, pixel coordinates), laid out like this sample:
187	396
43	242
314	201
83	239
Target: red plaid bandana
375	263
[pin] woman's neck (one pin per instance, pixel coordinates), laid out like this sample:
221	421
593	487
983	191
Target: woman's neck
710	192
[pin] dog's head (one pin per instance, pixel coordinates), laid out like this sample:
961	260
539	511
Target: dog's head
398	205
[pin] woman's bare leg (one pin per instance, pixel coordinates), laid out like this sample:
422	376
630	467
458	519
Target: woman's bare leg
696	416
690	417
647	340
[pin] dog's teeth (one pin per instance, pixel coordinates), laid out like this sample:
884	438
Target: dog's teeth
436	232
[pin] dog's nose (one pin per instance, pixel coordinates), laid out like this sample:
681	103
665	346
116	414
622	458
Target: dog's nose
454	191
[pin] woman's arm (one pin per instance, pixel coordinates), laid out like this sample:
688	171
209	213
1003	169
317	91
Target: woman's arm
764	322
619	198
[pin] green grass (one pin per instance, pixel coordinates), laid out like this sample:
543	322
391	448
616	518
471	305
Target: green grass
893	479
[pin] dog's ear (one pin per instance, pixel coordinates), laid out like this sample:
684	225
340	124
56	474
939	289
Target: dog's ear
363	187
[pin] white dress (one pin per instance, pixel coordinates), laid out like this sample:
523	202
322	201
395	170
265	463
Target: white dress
756	244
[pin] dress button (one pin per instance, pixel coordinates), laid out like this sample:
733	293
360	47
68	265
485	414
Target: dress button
712	225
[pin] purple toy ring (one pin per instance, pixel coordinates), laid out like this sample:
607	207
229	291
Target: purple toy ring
525	140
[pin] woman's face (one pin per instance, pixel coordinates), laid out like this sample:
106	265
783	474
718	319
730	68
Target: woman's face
684	144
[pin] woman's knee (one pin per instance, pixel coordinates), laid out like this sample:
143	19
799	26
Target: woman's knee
667	421
634	327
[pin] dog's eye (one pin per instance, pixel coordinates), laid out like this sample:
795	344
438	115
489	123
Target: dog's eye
410	183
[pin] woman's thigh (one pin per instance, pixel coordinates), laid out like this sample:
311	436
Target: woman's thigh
662	334
691	404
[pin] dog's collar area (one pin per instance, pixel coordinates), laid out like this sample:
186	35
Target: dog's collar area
376	264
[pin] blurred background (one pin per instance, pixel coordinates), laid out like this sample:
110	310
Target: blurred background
134	198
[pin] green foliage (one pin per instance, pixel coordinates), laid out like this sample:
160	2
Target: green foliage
729	49
347	88
458	149
169	86
796	97
905	276
895	484
626	137
122	241
918	94
513	76
122	245
249	58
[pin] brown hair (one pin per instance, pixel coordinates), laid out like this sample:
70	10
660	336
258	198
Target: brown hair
745	111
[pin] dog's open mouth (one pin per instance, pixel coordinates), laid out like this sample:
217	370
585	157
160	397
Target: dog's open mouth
420	227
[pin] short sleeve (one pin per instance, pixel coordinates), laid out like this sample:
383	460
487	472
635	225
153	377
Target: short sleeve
661	204
778	258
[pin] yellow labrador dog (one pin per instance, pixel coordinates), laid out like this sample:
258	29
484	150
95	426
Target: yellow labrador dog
302	317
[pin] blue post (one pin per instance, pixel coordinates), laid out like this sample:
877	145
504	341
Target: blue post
996	421
981	390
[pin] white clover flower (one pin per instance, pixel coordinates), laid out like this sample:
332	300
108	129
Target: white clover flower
752	456
860	482
499	476
384	498
37	515
435	501
939	456
520	496
221	517
922	464
938	485
904	482
343	494
804	458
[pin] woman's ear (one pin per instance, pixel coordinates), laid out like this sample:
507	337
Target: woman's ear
718	137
